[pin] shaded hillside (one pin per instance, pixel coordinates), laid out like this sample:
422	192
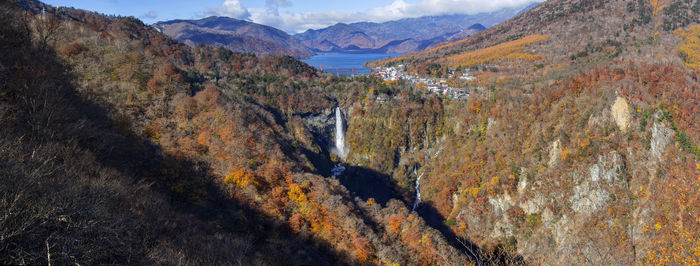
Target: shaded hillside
401	36
236	35
121	145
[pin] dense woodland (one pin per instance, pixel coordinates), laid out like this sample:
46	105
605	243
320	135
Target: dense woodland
122	145
577	145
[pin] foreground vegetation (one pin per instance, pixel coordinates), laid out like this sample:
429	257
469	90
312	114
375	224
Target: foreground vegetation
121	145
578	144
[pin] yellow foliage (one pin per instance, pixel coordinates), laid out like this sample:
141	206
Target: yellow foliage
295	193
474	191
657	6
495	181
689	50
240	177
371	201
565	154
583	143
462	227
509	50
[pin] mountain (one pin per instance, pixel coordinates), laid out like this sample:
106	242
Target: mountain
406	35
565	39
579	141
121	145
236	35
401	36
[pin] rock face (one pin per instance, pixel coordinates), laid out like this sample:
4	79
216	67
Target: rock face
660	137
621	113
323	125
590	195
236	35
554	153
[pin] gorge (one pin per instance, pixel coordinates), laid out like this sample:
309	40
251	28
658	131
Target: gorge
576	144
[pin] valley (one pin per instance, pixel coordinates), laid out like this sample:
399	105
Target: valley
556	133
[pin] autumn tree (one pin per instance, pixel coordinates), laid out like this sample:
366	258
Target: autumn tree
657	6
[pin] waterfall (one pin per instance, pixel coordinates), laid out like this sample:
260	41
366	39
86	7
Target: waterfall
340	149
415	204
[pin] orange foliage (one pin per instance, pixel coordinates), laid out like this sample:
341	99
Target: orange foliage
509	50
73	49
227	133
395	222
361	247
296	223
204	137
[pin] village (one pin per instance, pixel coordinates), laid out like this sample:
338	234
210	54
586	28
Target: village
438	86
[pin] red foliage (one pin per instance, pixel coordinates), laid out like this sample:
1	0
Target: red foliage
73	49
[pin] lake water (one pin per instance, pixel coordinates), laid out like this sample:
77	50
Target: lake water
344	64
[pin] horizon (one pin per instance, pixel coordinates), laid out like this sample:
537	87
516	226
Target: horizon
291	16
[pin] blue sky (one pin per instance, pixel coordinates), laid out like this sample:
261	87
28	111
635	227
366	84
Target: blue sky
289	15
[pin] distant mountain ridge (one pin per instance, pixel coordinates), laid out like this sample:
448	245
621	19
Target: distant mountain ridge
402	36
399	36
236	35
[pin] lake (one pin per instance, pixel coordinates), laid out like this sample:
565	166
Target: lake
344	64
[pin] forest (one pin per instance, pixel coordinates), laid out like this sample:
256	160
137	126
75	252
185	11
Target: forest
577	145
122	145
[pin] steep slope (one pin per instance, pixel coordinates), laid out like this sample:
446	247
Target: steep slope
122	146
570	30
236	35
579	141
578	144
401	36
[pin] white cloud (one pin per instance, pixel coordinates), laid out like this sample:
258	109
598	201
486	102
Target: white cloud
399	9
274	5
150	15
278	3
230	8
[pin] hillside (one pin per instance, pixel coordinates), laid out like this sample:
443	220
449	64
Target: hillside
121	145
401	36
579	141
570	30
577	144
236	35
